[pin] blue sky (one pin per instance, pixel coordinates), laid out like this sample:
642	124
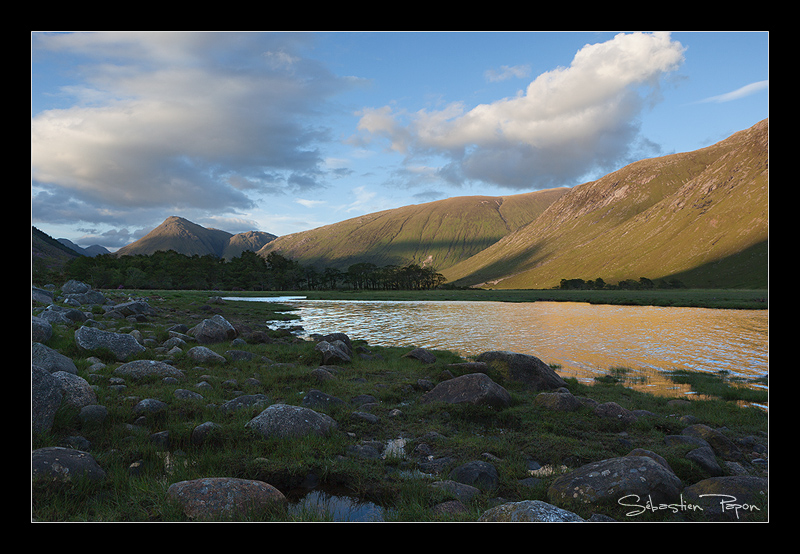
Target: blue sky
283	132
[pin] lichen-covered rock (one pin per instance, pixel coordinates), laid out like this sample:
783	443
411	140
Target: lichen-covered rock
615	478
122	345
46	398
475	388
523	368
286	421
730	498
51	360
142	369
532	511
213	330
216	498
77	392
56	463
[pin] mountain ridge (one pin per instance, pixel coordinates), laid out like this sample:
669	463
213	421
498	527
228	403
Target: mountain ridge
699	216
436	234
188	238
656	218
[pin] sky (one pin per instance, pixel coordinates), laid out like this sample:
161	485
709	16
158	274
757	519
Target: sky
288	131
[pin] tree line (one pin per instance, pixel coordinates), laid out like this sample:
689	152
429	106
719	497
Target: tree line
627	284
172	270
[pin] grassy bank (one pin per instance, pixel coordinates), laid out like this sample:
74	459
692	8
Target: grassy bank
695	298
140	470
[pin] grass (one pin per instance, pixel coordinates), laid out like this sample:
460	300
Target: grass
139	470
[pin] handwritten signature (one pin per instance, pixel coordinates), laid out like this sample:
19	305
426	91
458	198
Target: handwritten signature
727	504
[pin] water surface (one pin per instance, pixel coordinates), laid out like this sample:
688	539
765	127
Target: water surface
584	340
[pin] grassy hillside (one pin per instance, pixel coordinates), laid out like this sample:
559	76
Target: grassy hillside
435	234
700	216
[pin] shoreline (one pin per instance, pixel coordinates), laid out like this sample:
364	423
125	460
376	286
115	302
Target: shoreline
731	299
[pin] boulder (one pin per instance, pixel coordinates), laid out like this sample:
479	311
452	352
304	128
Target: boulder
614	412
531	511
422	355
133	308
246	401
316	399
479	474
611	480
722	445
76	391
561	401
529	370
215	498
74	287
41	296
286	421
213	330
46	398
51	360
41	329
731	498
121	345
474	388
203	355
333	353
142	369
56	463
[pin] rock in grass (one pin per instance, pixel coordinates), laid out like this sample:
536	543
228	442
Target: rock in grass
142	369
216	498
122	345
286	421
51	360
46	398
523	368
475	388
606	481
533	511
56	463
730	498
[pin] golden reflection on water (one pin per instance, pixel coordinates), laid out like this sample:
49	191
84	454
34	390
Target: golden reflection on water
584	340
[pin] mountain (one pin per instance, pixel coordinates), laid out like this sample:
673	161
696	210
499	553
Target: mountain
91	251
47	252
435	234
185	237
701	217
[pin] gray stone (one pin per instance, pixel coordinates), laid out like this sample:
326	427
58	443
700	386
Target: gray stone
532	511
56	463
475	388
610	480
41	329
478	474
213	330
51	360
143	369
46	398
286	421
123	346
215	498
523	368
203	354
76	391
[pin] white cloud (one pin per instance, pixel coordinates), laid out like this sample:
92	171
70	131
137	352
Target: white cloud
181	119
741	92
507	72
568	121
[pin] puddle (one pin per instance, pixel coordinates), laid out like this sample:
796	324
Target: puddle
319	505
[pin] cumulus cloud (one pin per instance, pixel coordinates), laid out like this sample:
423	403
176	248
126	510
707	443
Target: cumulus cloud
190	120
569	121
